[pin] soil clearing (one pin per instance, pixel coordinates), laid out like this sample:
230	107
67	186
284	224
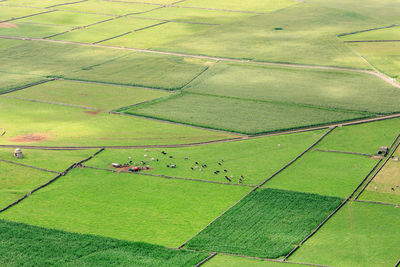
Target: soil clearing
94	112
30	138
7	25
126	168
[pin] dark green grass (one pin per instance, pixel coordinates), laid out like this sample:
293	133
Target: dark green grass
238	115
24	245
268	223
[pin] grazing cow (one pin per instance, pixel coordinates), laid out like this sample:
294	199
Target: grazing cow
227	178
163	152
225	171
219	163
240	181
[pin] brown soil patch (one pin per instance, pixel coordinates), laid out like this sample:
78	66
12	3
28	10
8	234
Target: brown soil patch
125	169
209	63
93	112
30	138
7	25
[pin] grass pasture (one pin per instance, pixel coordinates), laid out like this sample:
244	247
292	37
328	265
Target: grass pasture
138	208
56	125
22	245
392	33
324	173
360	234
330	89
237	115
362	138
93	95
255	159
233	261
13	12
17	181
11	81
6	43
268	223
42	3
26	29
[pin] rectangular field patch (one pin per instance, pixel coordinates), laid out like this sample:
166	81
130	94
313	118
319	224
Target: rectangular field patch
268	223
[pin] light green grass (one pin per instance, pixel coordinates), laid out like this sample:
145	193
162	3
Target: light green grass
41	3
12	12
26	29
105	30
385	187
360	234
331	89
380	34
224	260
252	5
53	160
23	245
94	95
268	223
238	115
67	126
65	18
105	7
10	81
160	2
362	138
195	15
383	56
255	159
158	35
7	43
324	173
16	181
139	208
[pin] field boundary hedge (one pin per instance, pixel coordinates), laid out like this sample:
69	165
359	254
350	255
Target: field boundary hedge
376	202
344	152
29	166
212	255
27	16
74	165
26	86
368	30
50	102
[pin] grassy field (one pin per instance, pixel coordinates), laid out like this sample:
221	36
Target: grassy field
26	29
360	234
12	12
255	159
47	124
105	7
330	89
138	208
252	5
383	56
16	181
381	34
268	223
53	160
42	3
238	115
385	187
6	43
224	260
11	81
24	245
362	138
94	95
329	174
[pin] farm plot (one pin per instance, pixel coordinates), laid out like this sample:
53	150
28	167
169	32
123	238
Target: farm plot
108	7
52	160
158	211
237	115
11	81
158	35
21	244
66	126
254	159
193	15
16	181
383	56
32	30
268	223
360	234
330	89
13	12
93	95
66	18
252	5
7	43
41	3
392	33
329	174
105	30
362	138
385	187
234	261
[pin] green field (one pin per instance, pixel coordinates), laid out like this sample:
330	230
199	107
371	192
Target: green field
6	43
12	12
323	173
255	159
106	7
139	208
26	29
11	81
392	33
41	3
267	223
93	95
360	234
23	245
238	115
224	260
331	89
385	187
16	181
66	126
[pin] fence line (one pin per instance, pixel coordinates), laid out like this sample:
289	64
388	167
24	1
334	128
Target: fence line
29	166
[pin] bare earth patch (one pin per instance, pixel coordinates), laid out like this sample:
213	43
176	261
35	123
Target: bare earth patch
30	138
93	112
7	25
